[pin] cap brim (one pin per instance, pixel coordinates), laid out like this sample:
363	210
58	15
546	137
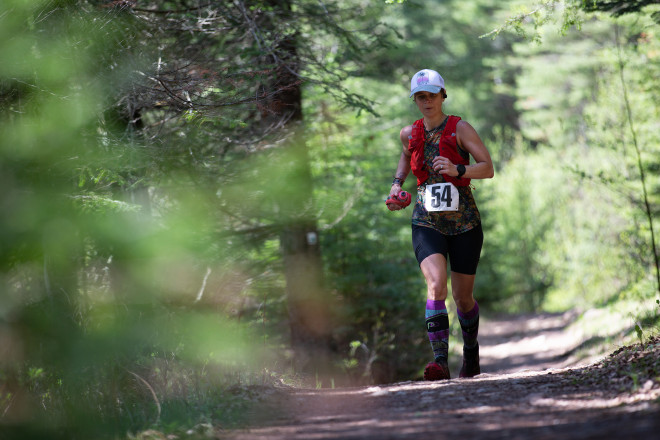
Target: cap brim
426	88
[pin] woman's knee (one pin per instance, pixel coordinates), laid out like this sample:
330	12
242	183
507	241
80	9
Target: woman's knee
437	287
434	268
464	303
462	291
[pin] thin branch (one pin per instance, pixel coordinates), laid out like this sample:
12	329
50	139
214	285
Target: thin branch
647	205
171	11
201	289
516	20
153	394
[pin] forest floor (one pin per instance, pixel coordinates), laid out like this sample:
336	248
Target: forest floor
533	386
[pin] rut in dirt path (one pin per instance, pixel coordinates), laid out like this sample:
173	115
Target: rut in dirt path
526	392
532	342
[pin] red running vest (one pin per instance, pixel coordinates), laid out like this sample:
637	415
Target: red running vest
447	148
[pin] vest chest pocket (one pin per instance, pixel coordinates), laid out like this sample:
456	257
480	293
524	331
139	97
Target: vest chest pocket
441	197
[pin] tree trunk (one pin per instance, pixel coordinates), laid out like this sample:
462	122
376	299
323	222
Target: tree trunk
307	303
306	300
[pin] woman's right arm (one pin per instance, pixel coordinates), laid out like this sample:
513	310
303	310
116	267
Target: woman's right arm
403	167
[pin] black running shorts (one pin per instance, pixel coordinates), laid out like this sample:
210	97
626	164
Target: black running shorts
463	249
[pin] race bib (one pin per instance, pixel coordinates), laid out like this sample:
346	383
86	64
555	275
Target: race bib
441	197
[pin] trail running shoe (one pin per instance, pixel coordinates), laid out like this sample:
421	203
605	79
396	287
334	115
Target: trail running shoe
435	371
470	366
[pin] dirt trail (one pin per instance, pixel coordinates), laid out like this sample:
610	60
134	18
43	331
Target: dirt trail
531	388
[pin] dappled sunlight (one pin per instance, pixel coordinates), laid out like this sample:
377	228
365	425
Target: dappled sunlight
632	403
510	343
532	401
556	402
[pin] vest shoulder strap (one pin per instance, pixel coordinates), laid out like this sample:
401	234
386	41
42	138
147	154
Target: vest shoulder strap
452	121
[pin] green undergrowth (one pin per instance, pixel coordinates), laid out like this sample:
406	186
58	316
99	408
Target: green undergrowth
238	406
607	327
153	399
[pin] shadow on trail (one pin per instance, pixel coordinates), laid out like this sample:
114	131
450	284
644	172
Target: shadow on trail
525	392
541	360
535	405
534	342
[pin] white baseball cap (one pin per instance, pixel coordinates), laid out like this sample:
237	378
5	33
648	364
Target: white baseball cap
426	81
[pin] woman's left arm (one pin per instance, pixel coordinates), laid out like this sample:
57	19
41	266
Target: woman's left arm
469	140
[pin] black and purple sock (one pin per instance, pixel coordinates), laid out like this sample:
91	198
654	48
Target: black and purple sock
437	326
470	326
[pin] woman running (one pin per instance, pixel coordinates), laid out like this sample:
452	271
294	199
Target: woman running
446	225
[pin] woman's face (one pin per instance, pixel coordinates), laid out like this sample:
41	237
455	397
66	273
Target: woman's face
430	104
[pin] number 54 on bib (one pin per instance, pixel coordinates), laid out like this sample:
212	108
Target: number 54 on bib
441	197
